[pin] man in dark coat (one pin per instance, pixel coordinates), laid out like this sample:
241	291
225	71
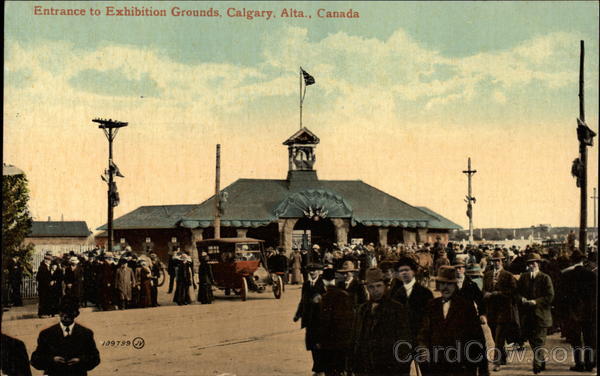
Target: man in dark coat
155	268
381	335
468	289
43	278
406	290
171	268
73	279
351	284
499	288
335	326
15	276
576	301
308	310
535	293
67	348
14	359
278	263
106	280
451	336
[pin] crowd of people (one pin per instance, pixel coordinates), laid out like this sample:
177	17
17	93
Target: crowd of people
366	312
106	280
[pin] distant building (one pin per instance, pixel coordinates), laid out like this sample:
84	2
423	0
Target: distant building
58	233
287	212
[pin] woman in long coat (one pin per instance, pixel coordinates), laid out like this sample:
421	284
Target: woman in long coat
145	285
296	261
206	281
124	284
183	281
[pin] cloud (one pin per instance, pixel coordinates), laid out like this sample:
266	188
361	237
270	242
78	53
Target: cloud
368	74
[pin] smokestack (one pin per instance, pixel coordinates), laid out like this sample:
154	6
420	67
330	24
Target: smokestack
48	218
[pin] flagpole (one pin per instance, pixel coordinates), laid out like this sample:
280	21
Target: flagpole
300	92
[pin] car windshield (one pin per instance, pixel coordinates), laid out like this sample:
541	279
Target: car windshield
247	251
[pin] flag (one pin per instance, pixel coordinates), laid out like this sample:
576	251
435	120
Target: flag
308	79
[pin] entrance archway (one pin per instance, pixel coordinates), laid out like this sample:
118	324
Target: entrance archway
321	232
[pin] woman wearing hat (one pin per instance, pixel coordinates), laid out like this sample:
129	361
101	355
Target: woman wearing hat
206	280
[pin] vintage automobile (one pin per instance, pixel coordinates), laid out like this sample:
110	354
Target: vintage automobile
239	265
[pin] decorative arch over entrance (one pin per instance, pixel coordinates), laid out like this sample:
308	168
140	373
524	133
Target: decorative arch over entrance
312	203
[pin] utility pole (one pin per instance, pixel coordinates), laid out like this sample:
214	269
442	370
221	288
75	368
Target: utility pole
470	200
111	128
595	198
217	194
586	138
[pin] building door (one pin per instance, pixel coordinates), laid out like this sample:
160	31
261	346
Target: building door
320	231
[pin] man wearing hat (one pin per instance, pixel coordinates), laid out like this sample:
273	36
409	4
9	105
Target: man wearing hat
406	290
499	287
469	290
308	310
66	348
106	280
350	284
44	279
576	301
335	325
73	279
278	263
451	325
535	294
382	337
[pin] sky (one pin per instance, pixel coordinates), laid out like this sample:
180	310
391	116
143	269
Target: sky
404	94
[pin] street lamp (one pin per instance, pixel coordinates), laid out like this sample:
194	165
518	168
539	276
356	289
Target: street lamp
111	128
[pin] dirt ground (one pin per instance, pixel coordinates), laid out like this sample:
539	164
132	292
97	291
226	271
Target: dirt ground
229	337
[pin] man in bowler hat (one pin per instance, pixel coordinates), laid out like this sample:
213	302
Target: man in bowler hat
535	294
308	310
450	338
382	343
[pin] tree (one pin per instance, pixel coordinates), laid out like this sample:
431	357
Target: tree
16	221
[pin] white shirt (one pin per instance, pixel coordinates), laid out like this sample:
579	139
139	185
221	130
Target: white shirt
534	274
348	282
446	308
409	287
460	280
64	329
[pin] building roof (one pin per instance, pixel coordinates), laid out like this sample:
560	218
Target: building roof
258	202
440	222
45	229
147	217
303	136
253	203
